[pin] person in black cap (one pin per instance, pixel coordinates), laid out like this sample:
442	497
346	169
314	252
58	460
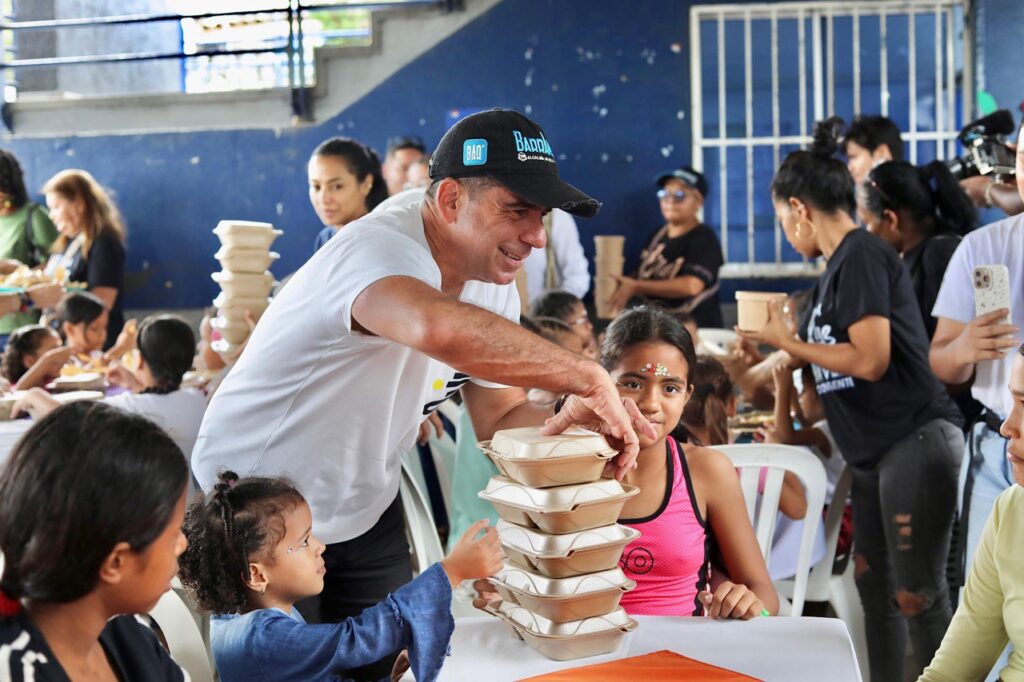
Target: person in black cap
679	267
401	310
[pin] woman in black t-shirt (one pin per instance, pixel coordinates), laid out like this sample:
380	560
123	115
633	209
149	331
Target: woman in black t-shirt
92	502
90	248
892	419
679	267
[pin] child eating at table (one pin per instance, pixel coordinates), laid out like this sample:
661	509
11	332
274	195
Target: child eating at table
166	344
28	345
697	552
91	506
252	555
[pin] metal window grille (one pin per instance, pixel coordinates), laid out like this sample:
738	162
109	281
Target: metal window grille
762	74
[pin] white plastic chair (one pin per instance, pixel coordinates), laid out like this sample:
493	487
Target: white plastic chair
419	523
716	341
749	459
839	591
183	637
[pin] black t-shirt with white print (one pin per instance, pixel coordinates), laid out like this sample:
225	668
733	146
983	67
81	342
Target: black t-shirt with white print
133	650
866	277
697	253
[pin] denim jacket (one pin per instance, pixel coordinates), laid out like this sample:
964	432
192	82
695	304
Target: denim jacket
271	645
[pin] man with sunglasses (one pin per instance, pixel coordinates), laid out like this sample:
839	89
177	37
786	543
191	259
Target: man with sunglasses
679	267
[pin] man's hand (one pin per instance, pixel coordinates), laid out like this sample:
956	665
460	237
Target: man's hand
604	411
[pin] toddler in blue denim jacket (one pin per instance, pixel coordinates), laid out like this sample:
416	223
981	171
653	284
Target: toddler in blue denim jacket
251	555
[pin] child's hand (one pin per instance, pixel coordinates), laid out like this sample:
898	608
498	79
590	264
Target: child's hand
36	403
731	600
45	296
767	434
474	557
431	423
783	377
119	375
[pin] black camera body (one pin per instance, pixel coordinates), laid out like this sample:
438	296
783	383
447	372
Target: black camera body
986	151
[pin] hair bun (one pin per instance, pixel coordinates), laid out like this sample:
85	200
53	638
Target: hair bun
225	481
827	136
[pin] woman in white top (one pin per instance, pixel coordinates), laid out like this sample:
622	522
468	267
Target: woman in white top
166	345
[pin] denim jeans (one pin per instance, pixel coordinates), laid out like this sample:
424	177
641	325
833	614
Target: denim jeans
903	512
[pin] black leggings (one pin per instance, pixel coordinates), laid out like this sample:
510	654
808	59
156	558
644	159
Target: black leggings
360	573
902	519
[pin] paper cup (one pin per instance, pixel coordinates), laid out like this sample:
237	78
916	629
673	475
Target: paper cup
609	245
752	308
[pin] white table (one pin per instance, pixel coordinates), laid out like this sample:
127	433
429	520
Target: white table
10	432
790	649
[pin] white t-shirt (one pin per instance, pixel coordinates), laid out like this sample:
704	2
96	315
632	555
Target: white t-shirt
329	408
179	413
999	243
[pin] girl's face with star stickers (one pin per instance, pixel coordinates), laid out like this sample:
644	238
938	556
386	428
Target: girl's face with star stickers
654	376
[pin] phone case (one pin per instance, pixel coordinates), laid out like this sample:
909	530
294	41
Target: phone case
991	289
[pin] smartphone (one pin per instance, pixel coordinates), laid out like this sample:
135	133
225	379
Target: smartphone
991	289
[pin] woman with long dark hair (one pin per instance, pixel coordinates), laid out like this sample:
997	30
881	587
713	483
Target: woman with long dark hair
892	419
345	183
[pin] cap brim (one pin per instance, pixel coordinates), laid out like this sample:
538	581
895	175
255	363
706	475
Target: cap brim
551	192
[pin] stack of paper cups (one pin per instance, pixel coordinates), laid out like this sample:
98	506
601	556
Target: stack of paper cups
244	279
608	262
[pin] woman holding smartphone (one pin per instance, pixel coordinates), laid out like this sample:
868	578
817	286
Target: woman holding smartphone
891	418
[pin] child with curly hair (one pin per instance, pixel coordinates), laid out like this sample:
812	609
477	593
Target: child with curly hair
252	555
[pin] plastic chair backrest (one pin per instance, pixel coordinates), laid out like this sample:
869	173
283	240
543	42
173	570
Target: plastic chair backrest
426	545
750	459
821	573
183	636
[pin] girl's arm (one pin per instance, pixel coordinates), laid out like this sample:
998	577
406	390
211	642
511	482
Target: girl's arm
749	589
417	616
125	342
45	368
866	355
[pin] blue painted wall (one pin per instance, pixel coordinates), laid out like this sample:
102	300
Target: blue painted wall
609	82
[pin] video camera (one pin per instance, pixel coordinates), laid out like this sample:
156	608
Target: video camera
985	144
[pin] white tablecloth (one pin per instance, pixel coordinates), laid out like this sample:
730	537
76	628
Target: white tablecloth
790	649
10	432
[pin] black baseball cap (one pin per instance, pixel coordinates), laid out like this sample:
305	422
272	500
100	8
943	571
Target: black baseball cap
510	148
686	174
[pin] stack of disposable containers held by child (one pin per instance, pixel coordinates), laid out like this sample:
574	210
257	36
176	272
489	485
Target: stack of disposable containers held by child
245	279
561	586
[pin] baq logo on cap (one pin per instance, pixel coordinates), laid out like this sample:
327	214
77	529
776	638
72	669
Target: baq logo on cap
474	152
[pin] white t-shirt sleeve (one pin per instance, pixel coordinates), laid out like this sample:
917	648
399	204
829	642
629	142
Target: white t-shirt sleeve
956	295
366	257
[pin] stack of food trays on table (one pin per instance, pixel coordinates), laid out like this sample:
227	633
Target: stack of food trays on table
561	586
245	279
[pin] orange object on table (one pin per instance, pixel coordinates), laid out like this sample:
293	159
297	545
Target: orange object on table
653	667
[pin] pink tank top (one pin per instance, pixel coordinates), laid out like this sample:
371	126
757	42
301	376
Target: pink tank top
670	560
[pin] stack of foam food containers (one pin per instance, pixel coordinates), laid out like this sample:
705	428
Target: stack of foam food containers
561	586
245	279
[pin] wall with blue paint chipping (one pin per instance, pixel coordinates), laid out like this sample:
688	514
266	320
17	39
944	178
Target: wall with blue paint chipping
608	80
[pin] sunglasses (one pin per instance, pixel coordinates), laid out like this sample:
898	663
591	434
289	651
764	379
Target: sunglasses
675	197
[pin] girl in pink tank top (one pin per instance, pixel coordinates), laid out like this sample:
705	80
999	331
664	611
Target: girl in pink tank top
697	553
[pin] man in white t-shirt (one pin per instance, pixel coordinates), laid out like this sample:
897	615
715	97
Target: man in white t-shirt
966	346
401	310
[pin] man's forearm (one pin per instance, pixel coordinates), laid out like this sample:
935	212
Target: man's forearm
489	347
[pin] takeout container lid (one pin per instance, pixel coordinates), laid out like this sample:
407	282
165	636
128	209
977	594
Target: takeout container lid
562	498
246	234
563	599
243	284
566	509
237	305
543	545
245	260
527	582
528	443
233	329
224	347
521	618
